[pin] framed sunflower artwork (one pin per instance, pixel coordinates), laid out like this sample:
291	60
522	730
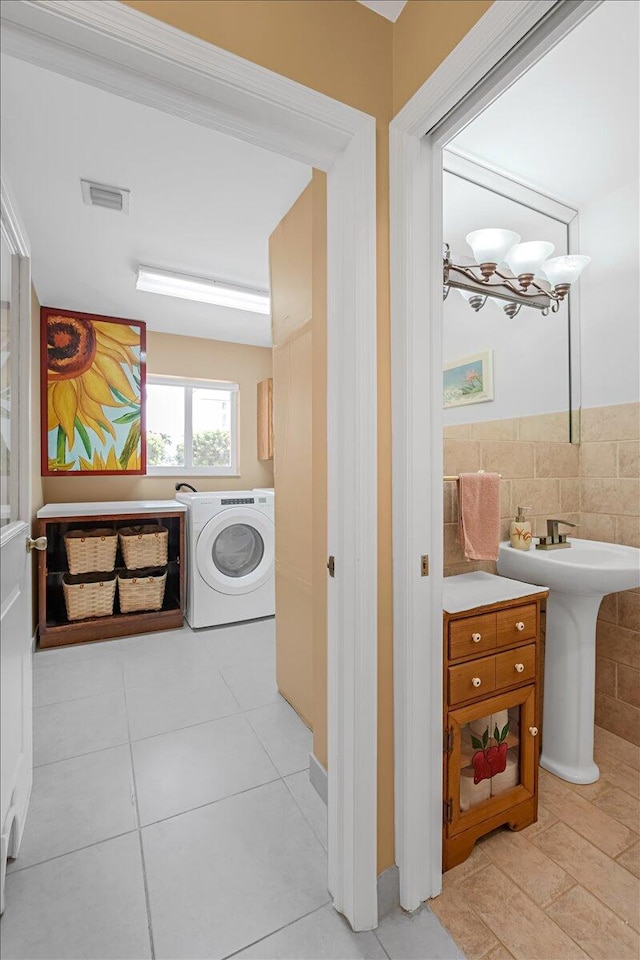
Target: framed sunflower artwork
92	394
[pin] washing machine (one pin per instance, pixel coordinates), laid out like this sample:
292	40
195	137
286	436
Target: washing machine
230	556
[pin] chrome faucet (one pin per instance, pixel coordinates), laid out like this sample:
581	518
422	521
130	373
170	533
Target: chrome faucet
554	540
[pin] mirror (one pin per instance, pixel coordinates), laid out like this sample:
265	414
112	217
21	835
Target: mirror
498	367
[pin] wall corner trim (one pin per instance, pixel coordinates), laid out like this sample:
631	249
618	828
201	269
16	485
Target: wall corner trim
318	778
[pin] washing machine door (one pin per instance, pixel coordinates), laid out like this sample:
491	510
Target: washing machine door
235	551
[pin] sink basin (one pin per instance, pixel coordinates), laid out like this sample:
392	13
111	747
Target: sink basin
577	578
586	567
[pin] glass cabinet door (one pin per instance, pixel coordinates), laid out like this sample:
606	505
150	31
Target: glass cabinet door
492	759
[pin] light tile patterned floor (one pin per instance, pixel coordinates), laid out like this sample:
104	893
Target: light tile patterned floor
566	887
172	813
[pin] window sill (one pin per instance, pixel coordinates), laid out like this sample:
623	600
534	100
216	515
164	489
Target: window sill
190	474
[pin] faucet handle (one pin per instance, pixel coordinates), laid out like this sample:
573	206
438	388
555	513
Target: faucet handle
552	526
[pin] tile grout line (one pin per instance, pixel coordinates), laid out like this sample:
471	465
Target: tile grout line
580	884
381	945
139	830
299	806
67	853
247	946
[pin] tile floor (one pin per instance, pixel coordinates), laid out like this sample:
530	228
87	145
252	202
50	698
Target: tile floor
567	886
172	814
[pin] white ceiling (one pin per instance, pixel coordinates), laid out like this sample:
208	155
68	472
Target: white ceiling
569	126
201	203
390	9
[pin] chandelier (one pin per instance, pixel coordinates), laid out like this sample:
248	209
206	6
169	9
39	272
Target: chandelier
479	280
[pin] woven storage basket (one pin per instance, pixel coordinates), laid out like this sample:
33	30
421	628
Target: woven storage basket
141	589
144	546
91	550
89	595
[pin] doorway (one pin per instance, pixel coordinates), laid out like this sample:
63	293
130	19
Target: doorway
191	79
500	48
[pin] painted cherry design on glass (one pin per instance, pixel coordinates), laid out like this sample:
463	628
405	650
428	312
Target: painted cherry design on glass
488	761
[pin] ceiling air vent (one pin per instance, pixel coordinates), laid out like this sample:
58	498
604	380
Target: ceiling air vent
101	195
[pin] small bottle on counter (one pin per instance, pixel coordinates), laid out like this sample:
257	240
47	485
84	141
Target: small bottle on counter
520	531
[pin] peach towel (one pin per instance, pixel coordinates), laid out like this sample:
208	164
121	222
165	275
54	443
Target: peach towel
479	515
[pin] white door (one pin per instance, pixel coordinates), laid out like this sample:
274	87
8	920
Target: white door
15	577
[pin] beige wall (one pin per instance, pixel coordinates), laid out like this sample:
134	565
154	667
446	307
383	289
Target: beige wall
291	270
424	34
198	358
348	52
610	508
594	484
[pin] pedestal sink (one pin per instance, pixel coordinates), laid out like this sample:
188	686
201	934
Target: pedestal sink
577	577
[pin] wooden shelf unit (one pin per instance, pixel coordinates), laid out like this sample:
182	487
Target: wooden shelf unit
506	659
54	627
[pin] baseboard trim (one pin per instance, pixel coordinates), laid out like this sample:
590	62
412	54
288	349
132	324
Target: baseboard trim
388	885
318	778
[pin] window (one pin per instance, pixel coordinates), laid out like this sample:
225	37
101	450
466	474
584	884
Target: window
192	427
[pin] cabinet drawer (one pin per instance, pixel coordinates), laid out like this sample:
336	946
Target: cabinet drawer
463	632
515	666
517	624
461	685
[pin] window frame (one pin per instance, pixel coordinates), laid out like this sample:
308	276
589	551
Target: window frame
189	385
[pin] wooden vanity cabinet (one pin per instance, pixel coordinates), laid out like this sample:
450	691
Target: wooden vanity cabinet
492	684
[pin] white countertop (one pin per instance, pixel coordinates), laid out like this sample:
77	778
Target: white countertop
109	508
471	590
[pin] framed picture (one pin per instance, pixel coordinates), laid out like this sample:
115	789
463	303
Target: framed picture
469	380
92	394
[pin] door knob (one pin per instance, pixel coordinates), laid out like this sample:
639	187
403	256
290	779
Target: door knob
519	625
40	543
476	681
519	667
533	731
476	637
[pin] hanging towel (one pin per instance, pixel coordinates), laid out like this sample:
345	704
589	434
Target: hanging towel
479	515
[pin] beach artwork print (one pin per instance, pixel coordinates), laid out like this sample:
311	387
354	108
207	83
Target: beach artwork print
92	386
469	380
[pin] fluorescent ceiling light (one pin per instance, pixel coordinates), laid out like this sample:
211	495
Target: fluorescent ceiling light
204	290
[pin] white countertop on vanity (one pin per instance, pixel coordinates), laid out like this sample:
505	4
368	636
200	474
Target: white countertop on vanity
468	591
108	508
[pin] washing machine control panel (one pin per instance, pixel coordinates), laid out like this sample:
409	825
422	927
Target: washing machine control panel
228	501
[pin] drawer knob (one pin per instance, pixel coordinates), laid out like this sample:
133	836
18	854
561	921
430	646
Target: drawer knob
476	681
519	667
519	625
533	731
476	637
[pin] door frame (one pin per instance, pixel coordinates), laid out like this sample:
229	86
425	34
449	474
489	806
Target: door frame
16	651
20	319
118	49
477	71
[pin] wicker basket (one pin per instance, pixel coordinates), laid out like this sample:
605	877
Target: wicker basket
89	595
144	546
91	550
141	589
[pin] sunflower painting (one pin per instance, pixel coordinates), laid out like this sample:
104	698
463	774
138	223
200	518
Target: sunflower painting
93	378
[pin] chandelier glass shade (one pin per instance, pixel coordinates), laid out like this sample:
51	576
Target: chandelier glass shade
511	273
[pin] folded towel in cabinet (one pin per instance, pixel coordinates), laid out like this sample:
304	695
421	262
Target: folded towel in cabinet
501	782
479	515
471	794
